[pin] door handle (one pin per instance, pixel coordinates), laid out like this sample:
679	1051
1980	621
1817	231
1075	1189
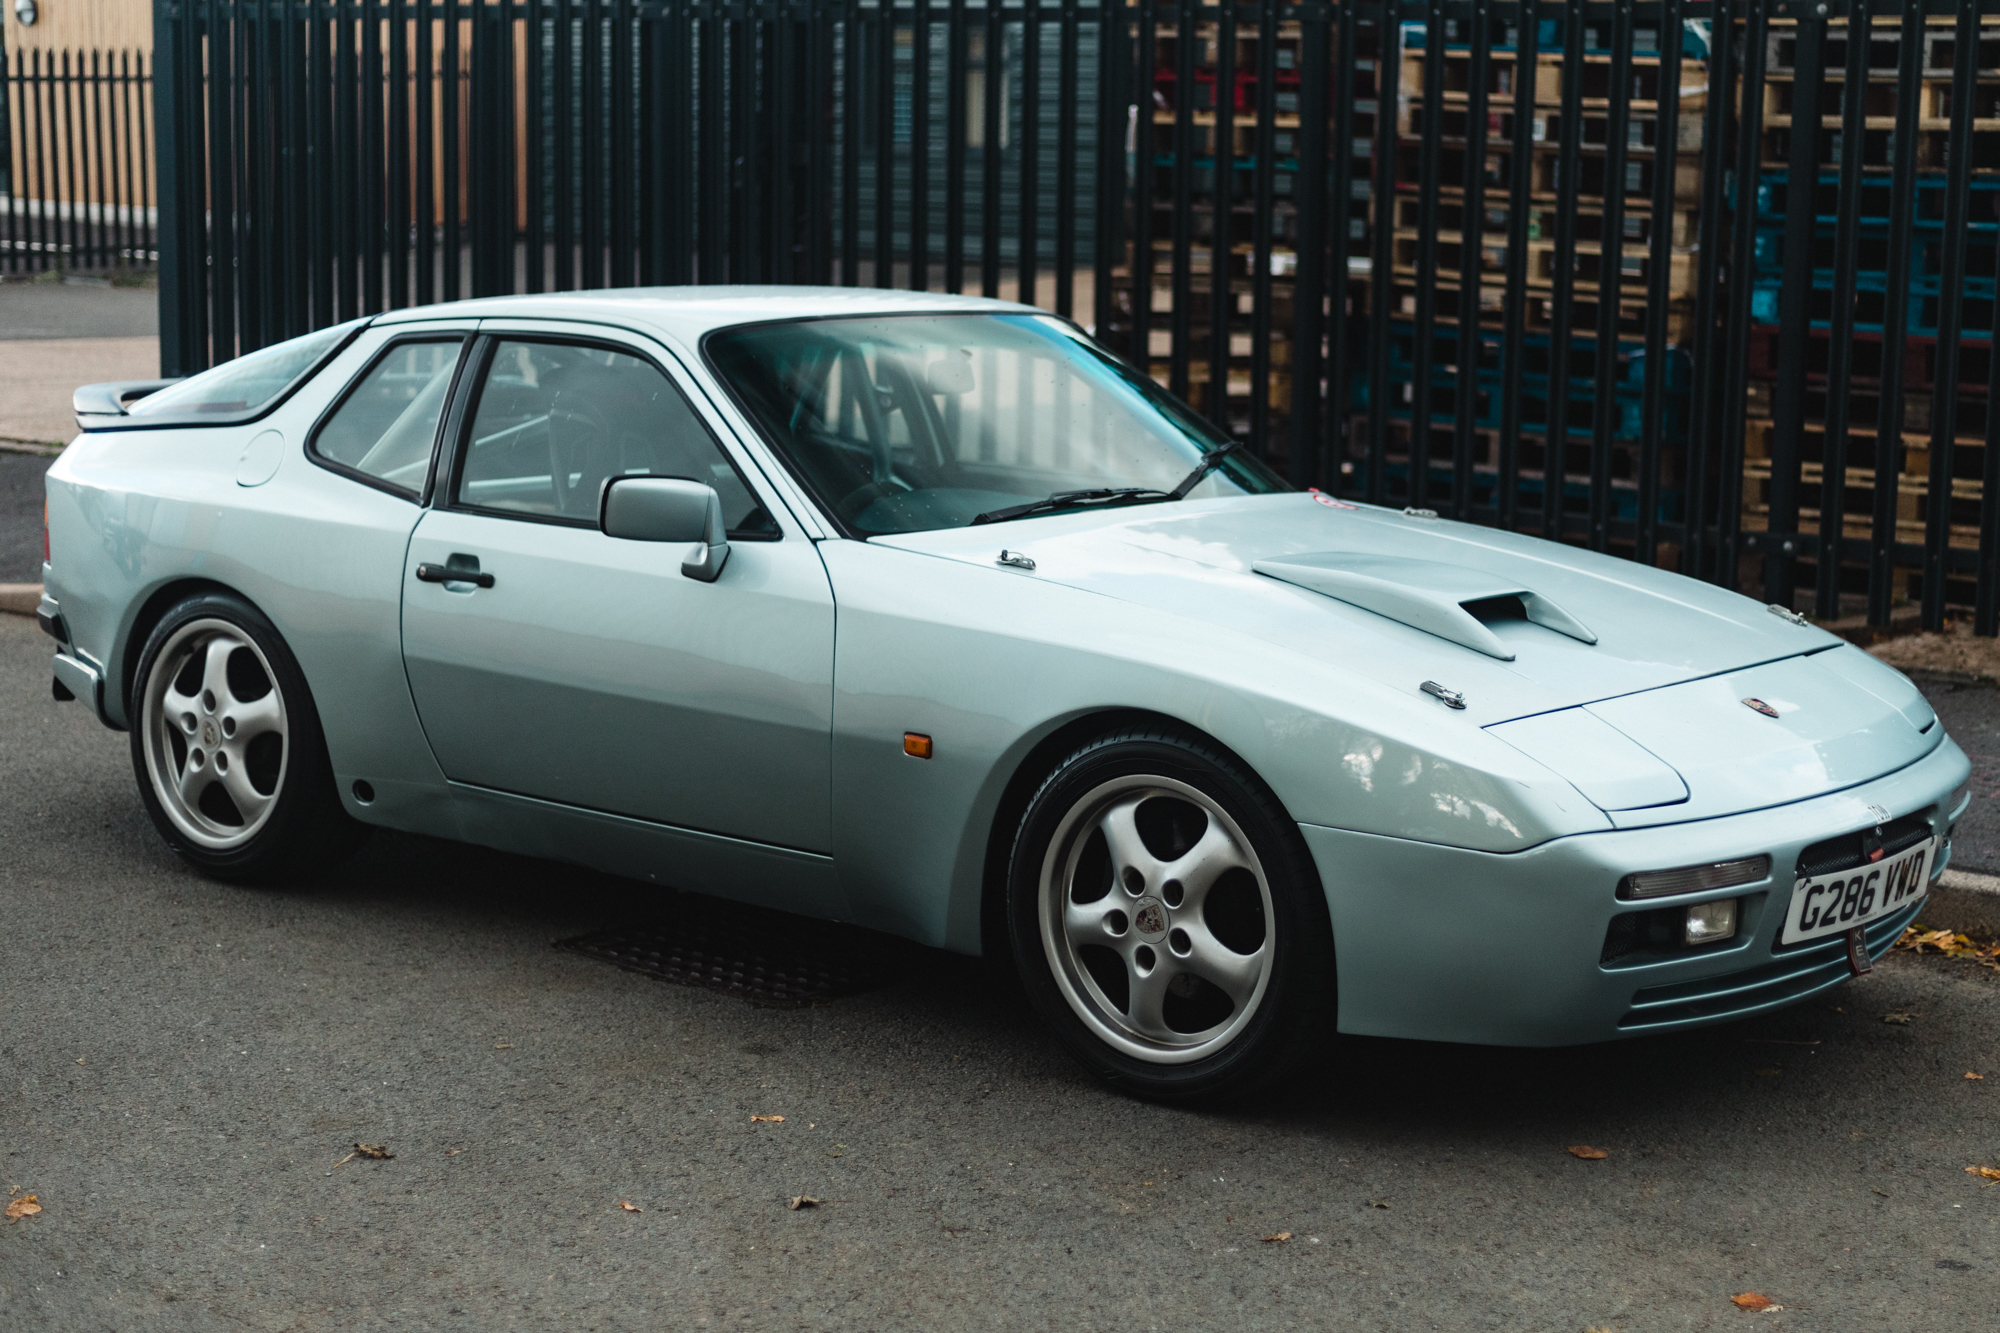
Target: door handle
428	573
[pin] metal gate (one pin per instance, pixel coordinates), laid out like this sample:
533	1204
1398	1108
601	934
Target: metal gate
1710	285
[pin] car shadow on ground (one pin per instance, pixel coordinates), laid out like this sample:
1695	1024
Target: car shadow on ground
1369	1086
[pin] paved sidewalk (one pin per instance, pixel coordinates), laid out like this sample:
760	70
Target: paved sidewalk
62	334
37	377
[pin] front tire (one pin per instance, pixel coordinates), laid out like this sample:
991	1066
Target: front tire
1167	919
227	747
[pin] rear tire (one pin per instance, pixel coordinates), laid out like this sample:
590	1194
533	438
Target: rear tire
1168	922
227	747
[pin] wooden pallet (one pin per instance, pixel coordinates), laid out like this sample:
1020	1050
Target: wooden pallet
1407	210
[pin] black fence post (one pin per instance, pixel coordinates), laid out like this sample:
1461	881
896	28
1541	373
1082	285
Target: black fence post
180	280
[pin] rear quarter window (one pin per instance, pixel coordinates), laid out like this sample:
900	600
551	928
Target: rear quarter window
246	387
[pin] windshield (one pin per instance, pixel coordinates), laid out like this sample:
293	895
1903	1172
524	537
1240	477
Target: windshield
247	383
906	423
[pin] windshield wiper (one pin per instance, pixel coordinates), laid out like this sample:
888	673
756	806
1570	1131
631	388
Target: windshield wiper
1074	500
1112	495
1209	463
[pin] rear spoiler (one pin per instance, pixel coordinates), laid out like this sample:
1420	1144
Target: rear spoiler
100	405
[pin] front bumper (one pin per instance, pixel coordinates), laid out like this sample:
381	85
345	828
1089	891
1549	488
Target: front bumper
1444	944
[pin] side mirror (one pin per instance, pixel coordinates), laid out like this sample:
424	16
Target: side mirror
668	509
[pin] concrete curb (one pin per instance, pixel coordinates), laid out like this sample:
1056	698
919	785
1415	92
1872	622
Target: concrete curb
1965	902
20	598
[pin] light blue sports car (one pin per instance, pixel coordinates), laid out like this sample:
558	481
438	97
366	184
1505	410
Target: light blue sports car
924	613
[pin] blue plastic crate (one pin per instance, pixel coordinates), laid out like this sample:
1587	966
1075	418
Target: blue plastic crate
1494	360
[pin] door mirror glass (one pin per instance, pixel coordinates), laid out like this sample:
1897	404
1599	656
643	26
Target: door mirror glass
668	509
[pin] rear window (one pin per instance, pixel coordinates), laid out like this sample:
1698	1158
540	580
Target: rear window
250	383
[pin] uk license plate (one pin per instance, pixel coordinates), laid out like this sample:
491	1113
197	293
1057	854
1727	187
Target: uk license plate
1831	904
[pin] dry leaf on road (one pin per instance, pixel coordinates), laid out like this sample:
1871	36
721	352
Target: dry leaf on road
1898	1017
1751	1300
1774	1069
1588	1153
25	1206
630	1207
1983	1172
1971	1075
1950	945
1378	1203
768	1119
1279	1239
803	1201
374	1152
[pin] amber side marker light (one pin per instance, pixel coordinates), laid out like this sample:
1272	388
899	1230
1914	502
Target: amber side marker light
916	744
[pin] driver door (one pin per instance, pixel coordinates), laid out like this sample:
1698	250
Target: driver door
588	671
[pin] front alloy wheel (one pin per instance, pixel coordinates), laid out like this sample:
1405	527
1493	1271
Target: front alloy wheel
1167	919
1156	919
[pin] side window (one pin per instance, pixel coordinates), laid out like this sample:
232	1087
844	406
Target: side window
386	426
555	421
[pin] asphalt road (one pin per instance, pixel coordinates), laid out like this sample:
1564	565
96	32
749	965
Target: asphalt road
21	516
184	1065
80	309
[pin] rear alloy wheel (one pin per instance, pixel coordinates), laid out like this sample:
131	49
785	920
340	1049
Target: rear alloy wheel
1167	919
227	746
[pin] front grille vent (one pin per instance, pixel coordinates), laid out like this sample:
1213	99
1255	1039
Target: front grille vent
1852	849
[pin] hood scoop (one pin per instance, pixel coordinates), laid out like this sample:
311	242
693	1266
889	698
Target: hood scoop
1450	601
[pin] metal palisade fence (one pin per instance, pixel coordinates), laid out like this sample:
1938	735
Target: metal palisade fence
76	157
1709	285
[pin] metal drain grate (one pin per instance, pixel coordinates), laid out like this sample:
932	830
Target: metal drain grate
767	959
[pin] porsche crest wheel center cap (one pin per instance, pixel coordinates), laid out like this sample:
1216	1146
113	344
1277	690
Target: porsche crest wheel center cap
208	733
1149	918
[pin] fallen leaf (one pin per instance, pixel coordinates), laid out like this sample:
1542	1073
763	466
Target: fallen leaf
837	1150
453	1152
1883	1193
1898	1017
1590	1154
1378	1203
804	1201
1751	1300
1279	1239
630	1207
1774	1069
374	1152
1983	1172
25	1206
1971	1075
79	1061
503	1045
768	1119
1951	945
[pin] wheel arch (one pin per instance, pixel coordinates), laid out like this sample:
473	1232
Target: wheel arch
1029	773
132	643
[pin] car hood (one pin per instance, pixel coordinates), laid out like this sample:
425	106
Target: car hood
1406	599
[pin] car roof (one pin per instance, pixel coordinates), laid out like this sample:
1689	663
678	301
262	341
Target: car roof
689	312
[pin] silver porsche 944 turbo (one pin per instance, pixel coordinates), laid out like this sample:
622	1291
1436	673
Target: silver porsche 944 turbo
927	614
